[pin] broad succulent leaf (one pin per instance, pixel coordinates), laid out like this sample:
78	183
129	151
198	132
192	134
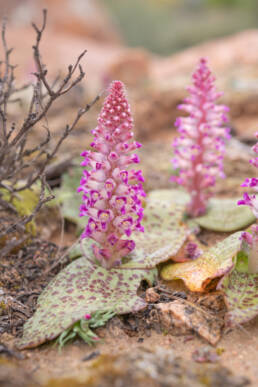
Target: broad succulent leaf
226	216
70	202
169	196
241	296
83	287
163	237
214	262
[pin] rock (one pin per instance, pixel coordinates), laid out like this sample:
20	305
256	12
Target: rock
188	317
13	375
205	354
223	54
156	367
151	295
170	322
82	18
155	110
132	67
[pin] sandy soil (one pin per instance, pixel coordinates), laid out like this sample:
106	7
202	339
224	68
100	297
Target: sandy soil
239	346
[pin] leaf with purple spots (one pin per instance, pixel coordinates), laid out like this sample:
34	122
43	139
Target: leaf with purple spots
164	233
222	215
163	237
83	288
225	215
241	296
169	196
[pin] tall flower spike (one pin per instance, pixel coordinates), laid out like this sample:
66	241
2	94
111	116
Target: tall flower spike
199	149
251	200
112	192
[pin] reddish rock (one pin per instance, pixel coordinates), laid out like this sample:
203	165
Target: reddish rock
82	18
132	67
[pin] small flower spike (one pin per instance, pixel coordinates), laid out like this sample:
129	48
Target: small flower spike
112	192
252	200
199	148
251	239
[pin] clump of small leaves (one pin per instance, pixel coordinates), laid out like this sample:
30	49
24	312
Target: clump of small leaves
83	328
200	147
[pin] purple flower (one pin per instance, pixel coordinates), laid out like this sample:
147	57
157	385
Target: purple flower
251	200
199	148
192	251
112	194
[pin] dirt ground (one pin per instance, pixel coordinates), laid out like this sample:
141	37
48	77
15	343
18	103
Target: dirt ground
24	280
238	347
240	352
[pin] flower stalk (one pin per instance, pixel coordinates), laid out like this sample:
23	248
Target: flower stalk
251	239
112	190
199	148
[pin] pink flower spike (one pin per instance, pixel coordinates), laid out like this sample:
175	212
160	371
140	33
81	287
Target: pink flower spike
112	191
87	317
251	200
199	148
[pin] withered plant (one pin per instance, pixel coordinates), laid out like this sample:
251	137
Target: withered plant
21	164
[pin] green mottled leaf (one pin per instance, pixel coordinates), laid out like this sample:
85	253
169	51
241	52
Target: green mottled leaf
214	262
225	215
164	233
241	296
83	287
163	237
69	198
242	262
169	196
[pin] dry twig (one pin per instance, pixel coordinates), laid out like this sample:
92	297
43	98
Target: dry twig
21	165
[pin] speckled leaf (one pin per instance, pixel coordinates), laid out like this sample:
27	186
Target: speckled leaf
69	198
169	196
241	296
225	215
214	262
81	288
164	232
163	237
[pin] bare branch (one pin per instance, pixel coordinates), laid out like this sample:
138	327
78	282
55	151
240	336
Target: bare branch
22	165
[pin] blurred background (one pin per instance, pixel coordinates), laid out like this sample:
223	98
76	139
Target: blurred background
151	45
167	26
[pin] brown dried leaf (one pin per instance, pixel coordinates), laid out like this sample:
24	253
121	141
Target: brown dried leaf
214	262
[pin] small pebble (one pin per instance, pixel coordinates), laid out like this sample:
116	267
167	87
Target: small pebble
91	356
